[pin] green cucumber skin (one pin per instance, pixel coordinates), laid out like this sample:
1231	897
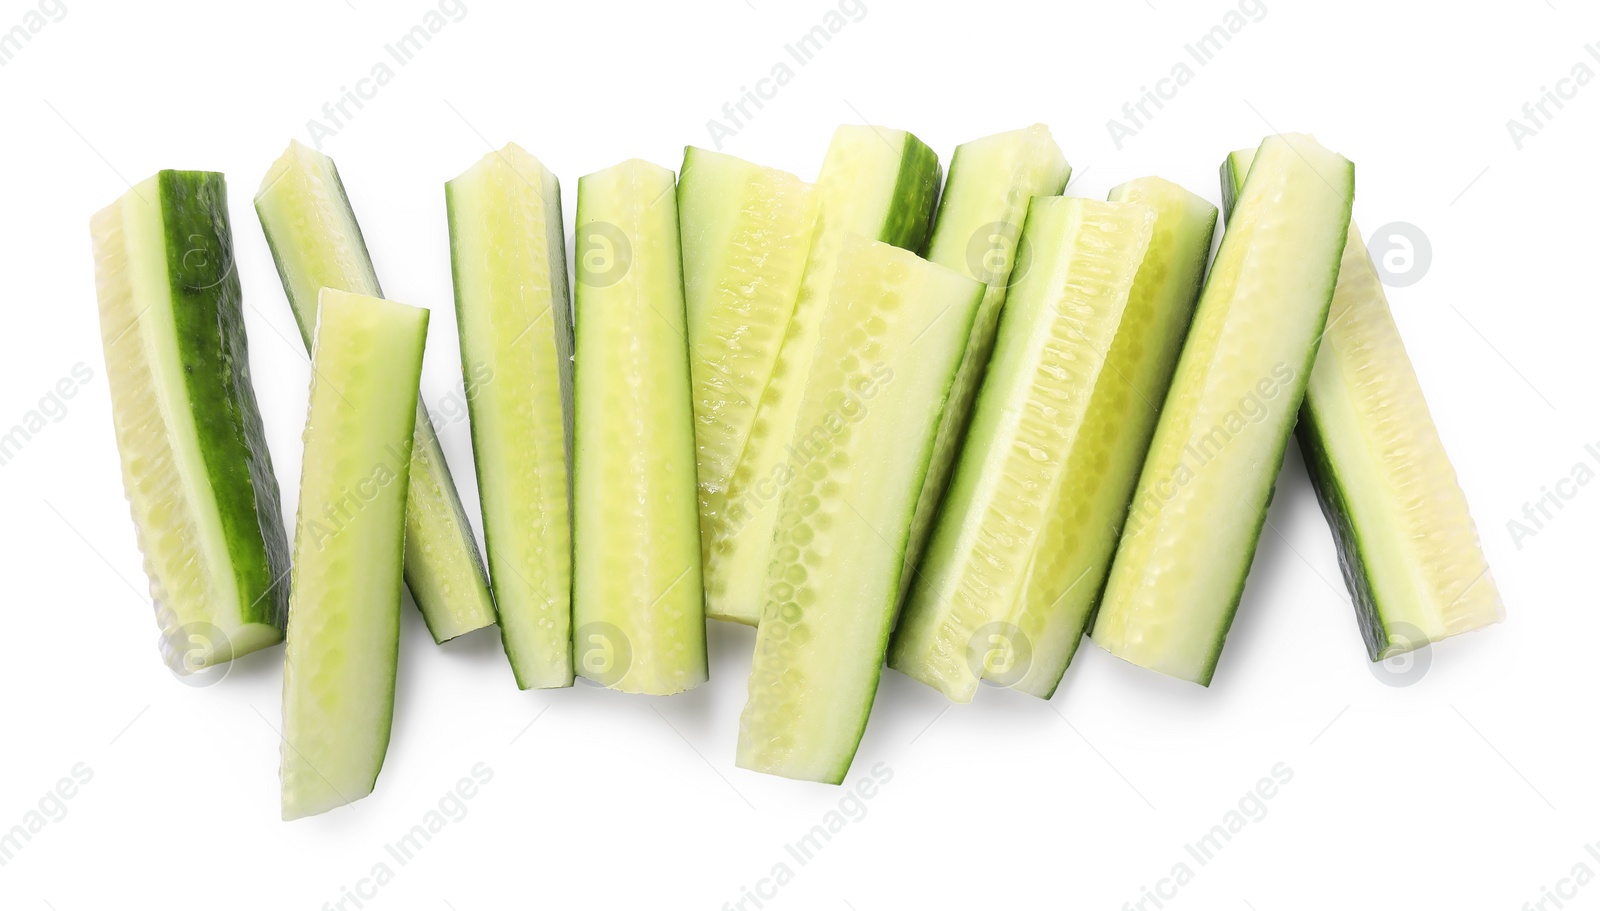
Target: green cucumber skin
1326	482
305	314
916	189
207	309
1297	393
1329	488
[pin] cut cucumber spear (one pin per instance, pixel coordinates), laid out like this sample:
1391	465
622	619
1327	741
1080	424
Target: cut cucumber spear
1202	497
639	622
1407	543
875	182
978	233
317	244
344	608
1070	566
508	254
1032	432
195	464
891	339
746	232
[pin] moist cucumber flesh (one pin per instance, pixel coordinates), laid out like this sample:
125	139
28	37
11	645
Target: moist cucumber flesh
875	182
891	339
1074	555
637	614
195	464
344	608
1407	544
508	256
1027	435
1197	514
316	243
746	231
977	232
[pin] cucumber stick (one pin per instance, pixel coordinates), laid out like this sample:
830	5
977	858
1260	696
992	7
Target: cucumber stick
195	464
1406	541
508	255
1089	339
1202	497
317	244
874	182
977	232
891	339
746	232
344	607
637	613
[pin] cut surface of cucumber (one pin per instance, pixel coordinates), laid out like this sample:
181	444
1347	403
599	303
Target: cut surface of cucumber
317	244
875	182
1074	556
637	614
1202	497
344	607
195	464
1028	435
891	338
746	232
978	233
508	256
1407	544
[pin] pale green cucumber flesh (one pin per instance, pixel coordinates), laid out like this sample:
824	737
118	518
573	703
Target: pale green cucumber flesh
195	463
637	610
1074	556
508	257
1408	548
874	182
316	243
746	231
892	336
344	608
1060	320
977	232
1198	511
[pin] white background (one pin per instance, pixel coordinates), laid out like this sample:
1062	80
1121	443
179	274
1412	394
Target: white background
1472	788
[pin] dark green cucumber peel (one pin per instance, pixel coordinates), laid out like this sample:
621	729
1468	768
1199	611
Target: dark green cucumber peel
207	309
918	182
